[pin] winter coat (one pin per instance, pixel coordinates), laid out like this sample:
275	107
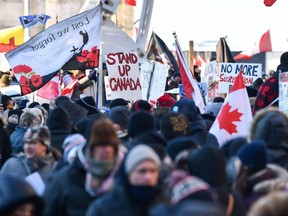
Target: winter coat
5	145
263	182
120	204
21	166
17	139
271	126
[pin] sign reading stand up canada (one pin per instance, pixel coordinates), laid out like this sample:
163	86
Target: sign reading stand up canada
124	72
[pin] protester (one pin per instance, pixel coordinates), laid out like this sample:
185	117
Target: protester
18	198
27	120
71	189
139	190
59	125
269	90
37	155
271	126
5	143
141	105
253	173
209	164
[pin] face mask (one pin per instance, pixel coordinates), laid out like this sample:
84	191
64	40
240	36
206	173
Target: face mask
143	194
100	168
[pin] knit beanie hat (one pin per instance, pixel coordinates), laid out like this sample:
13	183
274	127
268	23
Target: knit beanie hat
174	125
253	155
118	102
33	104
140	122
153	139
27	119
186	107
71	144
58	119
40	133
120	115
165	100
22	103
179	144
88	103
141	105
103	134
138	154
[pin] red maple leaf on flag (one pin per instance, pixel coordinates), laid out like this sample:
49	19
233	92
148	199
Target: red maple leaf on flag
226	119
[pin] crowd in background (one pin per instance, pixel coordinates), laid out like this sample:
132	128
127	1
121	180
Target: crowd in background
135	159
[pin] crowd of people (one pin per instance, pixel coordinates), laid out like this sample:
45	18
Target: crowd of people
70	158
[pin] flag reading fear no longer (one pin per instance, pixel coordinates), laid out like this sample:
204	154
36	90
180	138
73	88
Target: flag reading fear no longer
70	44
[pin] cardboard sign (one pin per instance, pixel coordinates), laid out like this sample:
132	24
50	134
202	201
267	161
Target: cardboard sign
229	71
124	72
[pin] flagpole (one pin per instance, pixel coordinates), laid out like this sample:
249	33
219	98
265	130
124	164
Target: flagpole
26	13
151	76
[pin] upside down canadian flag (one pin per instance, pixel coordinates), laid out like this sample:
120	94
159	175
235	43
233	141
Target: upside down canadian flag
235	116
263	45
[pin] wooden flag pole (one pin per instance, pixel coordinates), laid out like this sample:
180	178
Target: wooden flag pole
191	56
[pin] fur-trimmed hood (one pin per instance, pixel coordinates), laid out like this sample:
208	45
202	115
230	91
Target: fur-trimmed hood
271	126
277	183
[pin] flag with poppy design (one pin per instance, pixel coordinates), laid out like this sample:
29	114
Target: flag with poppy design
70	44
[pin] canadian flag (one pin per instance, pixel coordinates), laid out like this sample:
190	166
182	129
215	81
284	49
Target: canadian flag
235	116
190	85
263	45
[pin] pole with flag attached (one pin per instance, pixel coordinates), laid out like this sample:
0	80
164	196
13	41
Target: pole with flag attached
235	116
191	88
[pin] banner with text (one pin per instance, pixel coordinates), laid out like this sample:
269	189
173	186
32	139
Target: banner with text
124	72
229	71
283	91
156	84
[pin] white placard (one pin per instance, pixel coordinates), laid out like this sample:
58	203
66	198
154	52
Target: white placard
159	74
229	71
124	72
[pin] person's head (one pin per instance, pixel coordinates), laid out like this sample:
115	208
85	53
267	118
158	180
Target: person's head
28	119
37	142
118	102
271	126
177	77
142	166
5	81
7	102
18	198
70	146
119	116
139	122
166	100
38	113
103	143
141	105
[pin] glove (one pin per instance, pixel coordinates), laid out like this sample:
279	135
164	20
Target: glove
92	75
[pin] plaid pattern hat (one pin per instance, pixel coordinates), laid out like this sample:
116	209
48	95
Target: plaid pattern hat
40	133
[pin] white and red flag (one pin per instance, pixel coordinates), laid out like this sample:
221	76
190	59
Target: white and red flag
51	89
72	44
191	88
263	45
199	60
235	116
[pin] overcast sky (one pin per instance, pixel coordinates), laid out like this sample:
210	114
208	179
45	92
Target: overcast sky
243	22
